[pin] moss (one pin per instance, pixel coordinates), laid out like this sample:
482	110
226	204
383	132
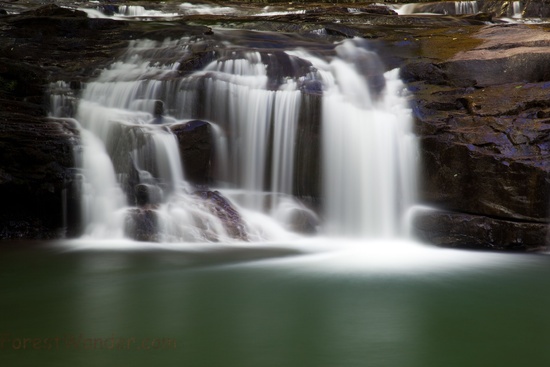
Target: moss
443	44
7	86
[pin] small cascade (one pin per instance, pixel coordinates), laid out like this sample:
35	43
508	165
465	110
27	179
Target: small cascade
516	9
190	9
369	151
132	10
466	7
126	12
406	9
253	101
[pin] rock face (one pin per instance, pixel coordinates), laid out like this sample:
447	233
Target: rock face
195	144
452	229
36	177
482	117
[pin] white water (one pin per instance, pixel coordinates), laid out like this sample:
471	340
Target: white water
188	8
130	12
369	156
516	7
369	152
466	7
460	8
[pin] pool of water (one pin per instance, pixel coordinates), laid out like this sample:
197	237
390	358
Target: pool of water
334	303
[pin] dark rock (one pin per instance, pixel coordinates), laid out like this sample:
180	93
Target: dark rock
307	165
460	230
36	176
482	119
502	56
282	66
536	9
142	225
468	177
52	10
222	208
376	9
196	147
195	61
422	71
147	195
342	30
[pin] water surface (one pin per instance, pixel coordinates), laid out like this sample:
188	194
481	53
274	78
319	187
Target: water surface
243	306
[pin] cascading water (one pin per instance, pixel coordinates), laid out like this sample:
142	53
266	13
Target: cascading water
466	7
254	112
369	151
516	9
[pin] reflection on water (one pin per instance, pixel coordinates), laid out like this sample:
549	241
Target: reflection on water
295	305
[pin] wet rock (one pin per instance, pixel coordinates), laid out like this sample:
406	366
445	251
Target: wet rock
221	207
307	167
376	9
195	61
484	139
536	9
147	195
461	230
302	220
282	66
36	176
502	56
142	225
195	144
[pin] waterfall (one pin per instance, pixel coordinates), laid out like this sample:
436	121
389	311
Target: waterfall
369	151
252	100
466	7
516	8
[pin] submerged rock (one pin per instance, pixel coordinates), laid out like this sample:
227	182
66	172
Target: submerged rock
141	224
221	207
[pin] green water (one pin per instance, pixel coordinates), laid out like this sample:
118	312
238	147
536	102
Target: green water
224	308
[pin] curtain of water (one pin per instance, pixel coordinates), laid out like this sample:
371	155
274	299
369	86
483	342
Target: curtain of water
369	151
466	7
368	172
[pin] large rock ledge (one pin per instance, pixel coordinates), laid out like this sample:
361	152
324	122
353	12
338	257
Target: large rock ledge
453	229
482	115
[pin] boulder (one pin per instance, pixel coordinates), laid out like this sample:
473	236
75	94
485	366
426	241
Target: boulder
196	147
221	207
142	225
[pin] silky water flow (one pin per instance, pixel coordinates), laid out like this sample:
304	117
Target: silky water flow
368	152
